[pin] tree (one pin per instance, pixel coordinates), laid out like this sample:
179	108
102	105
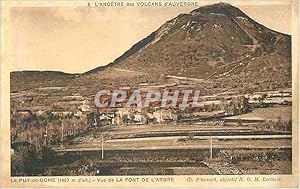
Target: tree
23	162
262	98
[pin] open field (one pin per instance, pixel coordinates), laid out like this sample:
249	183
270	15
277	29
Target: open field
189	149
271	113
175	143
179	137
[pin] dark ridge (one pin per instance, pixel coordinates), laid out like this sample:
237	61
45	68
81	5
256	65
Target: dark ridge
30	72
41	74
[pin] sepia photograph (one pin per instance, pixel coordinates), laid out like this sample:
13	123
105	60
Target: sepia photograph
161	88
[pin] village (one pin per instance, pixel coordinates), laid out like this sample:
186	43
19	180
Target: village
214	109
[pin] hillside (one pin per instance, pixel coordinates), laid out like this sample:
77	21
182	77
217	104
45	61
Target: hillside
217	44
24	80
211	42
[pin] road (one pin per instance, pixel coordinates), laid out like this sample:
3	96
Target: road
168	76
203	138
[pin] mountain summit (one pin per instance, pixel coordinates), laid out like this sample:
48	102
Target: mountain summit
210	42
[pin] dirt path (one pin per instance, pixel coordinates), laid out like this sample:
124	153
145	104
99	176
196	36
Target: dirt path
168	76
184	78
255	43
123	70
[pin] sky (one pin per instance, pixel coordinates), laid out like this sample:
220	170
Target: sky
75	40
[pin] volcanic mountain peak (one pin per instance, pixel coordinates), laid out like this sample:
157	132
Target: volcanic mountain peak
190	24
212	42
220	8
216	41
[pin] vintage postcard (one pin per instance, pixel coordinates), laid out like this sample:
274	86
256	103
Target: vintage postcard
129	93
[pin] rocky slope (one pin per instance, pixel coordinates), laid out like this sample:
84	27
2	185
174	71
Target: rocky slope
211	42
216	43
